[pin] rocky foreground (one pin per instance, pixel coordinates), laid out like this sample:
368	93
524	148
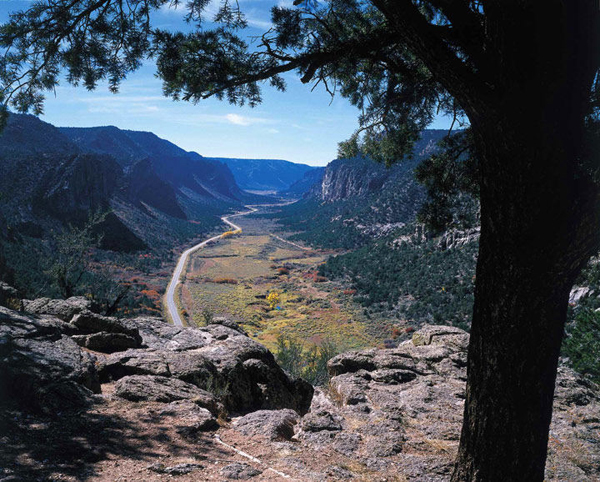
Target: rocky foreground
86	397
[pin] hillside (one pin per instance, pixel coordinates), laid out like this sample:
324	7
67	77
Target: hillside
191	175
358	200
302	187
265	174
154	196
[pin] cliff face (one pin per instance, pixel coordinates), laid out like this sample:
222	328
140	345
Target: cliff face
345	178
359	177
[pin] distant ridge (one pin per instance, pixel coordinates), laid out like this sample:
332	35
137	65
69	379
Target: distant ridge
265	174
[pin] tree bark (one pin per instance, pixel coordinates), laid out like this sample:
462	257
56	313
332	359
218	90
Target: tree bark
540	224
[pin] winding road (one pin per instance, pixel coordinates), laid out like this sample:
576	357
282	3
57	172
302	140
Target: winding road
176	278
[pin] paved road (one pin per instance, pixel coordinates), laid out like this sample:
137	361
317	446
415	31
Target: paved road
176	278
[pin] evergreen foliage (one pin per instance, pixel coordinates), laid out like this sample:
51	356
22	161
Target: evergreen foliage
417	282
582	344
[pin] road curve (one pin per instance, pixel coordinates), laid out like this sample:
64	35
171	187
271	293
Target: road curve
176	278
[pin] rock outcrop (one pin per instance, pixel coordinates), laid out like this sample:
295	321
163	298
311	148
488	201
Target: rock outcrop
386	413
400	410
218	358
43	364
62	309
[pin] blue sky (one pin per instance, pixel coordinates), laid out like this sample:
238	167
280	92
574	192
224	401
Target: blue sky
297	125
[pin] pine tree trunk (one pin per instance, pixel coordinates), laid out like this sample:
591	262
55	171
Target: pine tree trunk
539	227
515	340
540	224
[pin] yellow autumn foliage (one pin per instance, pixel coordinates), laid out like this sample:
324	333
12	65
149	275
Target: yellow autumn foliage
273	298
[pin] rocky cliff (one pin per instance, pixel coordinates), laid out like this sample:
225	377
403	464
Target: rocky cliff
359	177
97	398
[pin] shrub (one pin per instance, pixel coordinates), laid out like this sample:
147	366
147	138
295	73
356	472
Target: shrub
283	271
207	316
273	298
230	281
582	344
309	364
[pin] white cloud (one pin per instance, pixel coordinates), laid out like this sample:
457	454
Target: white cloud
272	131
241	120
119	99
238	120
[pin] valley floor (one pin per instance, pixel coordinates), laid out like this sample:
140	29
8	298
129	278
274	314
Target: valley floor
234	277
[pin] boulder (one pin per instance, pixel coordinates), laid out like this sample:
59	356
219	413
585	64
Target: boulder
133	362
179	469
319	421
106	342
153	388
188	418
220	320
42	368
155	332
217	358
90	323
239	471
272	424
441	335
62	309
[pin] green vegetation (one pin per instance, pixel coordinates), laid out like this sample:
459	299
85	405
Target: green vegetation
71	249
418	282
320	224
582	343
309	364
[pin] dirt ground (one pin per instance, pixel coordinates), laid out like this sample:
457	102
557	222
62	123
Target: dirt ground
116	440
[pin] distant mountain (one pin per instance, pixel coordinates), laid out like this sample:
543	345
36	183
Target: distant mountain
46	181
302	187
181	169
265	174
157	193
